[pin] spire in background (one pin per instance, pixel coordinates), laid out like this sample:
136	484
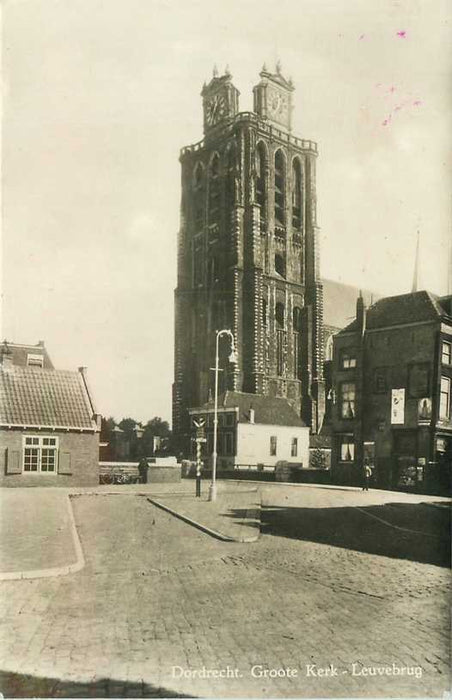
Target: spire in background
449	271
415	287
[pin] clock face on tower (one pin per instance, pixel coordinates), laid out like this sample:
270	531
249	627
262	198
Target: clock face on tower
277	105
215	109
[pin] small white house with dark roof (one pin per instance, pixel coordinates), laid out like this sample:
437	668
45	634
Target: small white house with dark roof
49	427
254	429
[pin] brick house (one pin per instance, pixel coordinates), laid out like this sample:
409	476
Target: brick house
392	376
49	428
253	430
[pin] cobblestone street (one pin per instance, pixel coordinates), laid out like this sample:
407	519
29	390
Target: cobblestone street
158	601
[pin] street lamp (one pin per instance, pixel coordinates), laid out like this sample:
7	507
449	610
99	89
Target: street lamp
232	360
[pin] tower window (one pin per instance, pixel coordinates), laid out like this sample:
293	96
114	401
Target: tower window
280	265
198	176
264	313
213	270
280	189
198	195
230	178
296	194
296	341
280	338
279	315
260	179
214	190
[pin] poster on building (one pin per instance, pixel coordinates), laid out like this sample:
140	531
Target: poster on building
424	411
398	407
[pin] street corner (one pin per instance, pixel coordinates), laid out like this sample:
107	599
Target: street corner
234	515
28	551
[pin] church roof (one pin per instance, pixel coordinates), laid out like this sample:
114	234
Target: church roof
339	302
44	398
268	410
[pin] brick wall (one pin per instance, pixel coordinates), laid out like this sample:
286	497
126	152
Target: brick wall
83	449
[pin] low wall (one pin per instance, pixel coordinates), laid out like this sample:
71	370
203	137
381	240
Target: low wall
159	472
163	474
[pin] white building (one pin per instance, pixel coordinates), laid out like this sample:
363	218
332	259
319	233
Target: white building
253	430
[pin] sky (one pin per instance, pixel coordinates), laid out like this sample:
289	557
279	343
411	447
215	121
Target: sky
98	98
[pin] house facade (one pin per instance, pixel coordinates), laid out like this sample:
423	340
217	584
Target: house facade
392	375
49	427
253	430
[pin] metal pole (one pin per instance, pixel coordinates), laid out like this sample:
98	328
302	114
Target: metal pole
198	468
213	485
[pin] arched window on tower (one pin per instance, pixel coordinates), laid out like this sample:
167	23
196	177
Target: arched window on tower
229	185
280	337
280	189
280	265
198	195
214	190
296	194
261	194
264	314
296	326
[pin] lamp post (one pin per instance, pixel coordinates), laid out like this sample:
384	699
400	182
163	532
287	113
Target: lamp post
233	360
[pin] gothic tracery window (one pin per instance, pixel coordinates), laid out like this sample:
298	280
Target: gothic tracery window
296	194
231	162
296	325
280	189
280	337
260	179
198	195
214	190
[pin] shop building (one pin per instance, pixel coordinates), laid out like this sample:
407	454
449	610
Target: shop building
392	376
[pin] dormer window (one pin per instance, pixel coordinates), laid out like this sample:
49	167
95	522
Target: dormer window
34	360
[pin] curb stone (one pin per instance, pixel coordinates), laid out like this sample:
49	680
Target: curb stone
208	530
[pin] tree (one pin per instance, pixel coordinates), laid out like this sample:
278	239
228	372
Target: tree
106	429
155	428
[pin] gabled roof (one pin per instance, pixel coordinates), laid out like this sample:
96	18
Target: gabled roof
268	410
401	310
44	398
18	353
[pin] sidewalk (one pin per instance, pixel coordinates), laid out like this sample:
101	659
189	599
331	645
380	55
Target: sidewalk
37	534
234	516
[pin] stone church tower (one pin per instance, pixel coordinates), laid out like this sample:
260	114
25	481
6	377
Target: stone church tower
248	255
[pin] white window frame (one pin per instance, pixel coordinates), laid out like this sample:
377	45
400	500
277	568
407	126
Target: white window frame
446	352
350	442
294	447
40	443
444	407
35	360
348	358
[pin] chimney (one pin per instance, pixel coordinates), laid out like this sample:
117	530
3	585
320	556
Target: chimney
251	415
6	355
361	312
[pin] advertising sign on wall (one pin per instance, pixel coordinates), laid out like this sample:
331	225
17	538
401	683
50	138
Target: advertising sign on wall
398	407
424	410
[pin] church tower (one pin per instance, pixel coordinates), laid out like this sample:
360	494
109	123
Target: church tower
248	255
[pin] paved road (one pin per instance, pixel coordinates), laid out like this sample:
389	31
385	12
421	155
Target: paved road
156	594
